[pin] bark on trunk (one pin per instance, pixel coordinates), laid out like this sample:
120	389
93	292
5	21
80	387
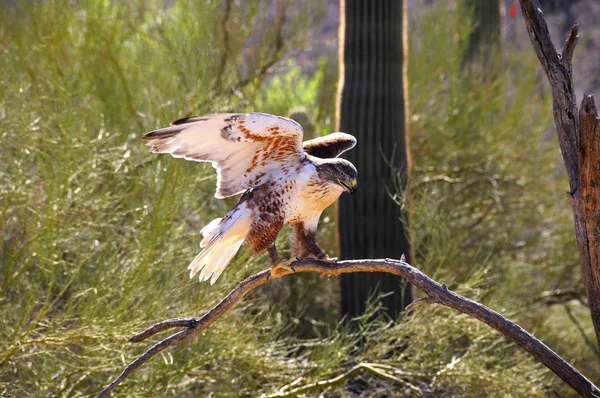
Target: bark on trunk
579	139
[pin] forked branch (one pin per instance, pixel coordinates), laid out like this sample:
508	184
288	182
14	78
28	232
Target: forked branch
436	292
578	134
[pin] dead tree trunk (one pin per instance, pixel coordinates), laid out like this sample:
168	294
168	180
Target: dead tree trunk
579	137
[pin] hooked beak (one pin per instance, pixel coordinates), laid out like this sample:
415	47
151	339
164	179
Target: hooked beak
350	187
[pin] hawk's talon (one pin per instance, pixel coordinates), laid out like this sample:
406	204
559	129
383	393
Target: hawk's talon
284	265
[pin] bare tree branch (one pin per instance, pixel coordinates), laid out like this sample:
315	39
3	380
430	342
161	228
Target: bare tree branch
436	292
570	43
420	300
378	370
579	138
580	329
558	296
559	75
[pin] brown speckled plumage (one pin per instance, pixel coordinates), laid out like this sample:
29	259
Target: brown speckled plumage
283	181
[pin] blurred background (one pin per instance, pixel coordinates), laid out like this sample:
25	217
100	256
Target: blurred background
97	232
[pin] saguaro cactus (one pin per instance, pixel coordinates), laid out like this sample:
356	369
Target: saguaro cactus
371	106
486	34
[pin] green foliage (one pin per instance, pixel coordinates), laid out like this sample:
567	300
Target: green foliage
314	94
96	232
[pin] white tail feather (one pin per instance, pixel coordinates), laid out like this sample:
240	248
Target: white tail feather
209	231
222	240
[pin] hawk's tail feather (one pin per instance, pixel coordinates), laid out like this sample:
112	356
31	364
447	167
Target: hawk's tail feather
211	261
222	239
209	231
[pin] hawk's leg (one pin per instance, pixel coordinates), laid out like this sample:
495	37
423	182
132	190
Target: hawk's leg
298	247
276	260
306	243
273	254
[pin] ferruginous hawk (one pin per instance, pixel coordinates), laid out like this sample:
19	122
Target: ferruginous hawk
282	181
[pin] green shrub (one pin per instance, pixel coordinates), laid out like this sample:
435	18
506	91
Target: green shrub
97	232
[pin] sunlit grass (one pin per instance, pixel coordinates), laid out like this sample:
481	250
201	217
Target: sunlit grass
97	232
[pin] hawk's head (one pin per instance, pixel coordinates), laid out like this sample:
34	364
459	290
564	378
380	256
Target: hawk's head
339	172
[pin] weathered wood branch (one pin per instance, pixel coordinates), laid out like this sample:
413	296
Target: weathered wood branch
436	292
579	138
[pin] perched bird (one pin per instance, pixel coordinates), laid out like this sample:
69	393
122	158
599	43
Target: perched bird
282	181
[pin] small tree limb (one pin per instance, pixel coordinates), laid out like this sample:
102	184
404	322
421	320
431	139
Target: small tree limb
436	292
569	46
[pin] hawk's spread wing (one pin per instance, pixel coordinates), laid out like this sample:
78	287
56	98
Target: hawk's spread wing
329	146
246	149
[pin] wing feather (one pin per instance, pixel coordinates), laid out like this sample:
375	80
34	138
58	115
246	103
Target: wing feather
246	149
329	146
